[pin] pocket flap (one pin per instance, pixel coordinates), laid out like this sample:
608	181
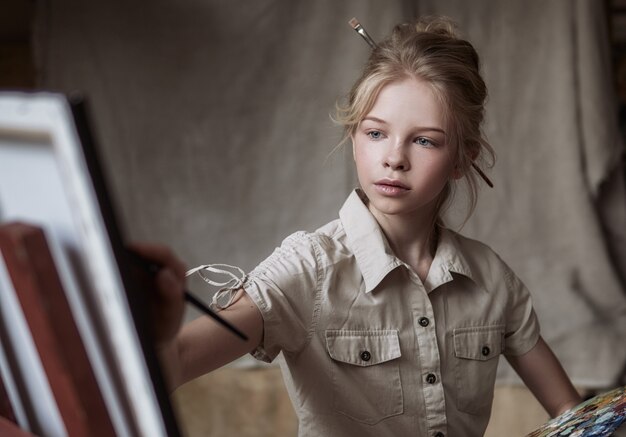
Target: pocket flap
363	348
478	343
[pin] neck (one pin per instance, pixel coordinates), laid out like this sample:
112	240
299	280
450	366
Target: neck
412	238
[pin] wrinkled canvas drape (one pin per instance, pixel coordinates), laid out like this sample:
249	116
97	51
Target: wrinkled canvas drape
214	121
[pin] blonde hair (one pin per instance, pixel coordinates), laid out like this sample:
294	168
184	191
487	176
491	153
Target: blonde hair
430	50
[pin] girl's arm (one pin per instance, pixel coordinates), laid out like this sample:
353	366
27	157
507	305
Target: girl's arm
543	375
201	345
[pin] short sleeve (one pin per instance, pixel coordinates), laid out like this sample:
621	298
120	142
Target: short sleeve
522	327
285	289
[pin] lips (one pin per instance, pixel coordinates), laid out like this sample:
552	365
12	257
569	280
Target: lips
392	183
390	188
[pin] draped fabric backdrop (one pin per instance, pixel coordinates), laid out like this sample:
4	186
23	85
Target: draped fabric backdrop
213	118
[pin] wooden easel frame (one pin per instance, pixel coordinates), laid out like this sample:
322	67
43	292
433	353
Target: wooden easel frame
109	308
63	356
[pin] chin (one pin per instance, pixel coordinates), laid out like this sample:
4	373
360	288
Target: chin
400	206
393	206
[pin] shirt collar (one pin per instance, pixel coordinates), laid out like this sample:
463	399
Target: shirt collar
375	257
448	259
367	241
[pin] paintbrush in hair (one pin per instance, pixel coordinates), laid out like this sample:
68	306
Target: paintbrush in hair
361	31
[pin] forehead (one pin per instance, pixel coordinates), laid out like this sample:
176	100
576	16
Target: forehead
409	100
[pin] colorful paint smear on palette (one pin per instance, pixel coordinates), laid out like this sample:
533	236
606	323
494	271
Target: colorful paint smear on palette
599	416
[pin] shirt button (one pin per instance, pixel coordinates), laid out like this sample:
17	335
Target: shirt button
365	355
431	378
486	351
439	434
423	321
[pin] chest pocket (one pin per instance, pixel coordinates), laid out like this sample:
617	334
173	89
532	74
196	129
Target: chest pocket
476	352
365	374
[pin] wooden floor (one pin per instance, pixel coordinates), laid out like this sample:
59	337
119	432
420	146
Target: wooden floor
254	403
236	402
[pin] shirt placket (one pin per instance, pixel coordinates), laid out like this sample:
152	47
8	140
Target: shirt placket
432	387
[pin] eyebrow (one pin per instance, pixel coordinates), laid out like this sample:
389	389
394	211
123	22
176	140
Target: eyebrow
381	121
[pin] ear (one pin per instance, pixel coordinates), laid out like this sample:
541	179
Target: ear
474	153
457	173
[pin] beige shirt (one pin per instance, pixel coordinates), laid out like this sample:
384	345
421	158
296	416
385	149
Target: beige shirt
370	350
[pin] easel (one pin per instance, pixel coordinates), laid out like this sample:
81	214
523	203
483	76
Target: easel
74	307
8	422
51	323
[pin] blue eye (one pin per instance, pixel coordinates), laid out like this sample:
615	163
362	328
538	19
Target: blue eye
424	142
375	135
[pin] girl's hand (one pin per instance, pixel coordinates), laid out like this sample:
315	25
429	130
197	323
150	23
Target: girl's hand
202	345
168	301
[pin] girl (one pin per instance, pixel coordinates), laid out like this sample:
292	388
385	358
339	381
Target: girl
389	323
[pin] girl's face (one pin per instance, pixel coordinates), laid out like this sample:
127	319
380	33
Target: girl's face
403	160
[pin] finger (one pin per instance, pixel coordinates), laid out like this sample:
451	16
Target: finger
170	286
161	255
168	312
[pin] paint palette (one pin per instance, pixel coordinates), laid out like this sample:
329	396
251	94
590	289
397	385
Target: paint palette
599	416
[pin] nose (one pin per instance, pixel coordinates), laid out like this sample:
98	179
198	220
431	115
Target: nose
396	158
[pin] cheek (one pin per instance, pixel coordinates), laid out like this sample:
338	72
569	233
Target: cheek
436	166
365	164
362	155
360	162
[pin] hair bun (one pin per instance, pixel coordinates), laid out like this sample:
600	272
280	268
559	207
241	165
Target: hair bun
439	25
